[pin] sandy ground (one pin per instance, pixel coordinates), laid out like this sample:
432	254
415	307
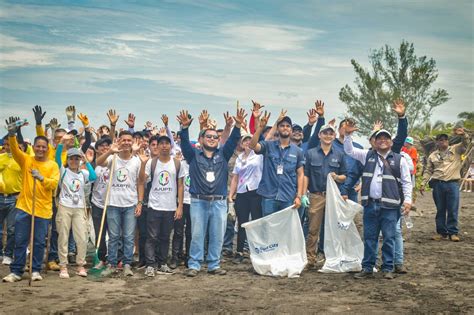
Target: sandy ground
440	280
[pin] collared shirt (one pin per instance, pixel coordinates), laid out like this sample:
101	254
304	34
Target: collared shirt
376	186
209	175
281	187
11	174
249	171
318	166
445	165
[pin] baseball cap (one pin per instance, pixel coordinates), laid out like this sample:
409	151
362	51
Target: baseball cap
103	140
383	132
285	119
166	138
373	134
245	136
442	135
72	132
74	152
409	140
327	127
296	127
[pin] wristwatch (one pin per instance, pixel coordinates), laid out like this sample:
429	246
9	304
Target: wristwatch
141	202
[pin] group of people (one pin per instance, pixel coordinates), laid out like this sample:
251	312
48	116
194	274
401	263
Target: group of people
166	190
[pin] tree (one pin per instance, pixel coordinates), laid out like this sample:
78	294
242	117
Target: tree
394	74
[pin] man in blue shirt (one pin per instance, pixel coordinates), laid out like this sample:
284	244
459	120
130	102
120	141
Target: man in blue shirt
282	178
320	162
208	172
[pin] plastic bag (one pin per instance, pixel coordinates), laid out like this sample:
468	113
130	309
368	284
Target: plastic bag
277	245
343	246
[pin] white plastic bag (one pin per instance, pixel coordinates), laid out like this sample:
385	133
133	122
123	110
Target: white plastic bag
277	245
343	246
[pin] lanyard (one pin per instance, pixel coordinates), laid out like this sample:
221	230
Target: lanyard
283	155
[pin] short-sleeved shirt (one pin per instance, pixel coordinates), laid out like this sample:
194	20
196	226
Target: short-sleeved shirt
318	166
164	188
123	192
72	193
100	186
281	187
249	170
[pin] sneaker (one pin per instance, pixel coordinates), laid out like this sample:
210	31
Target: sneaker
217	272
108	271
81	272
227	253
141	265
320	258
191	272
164	269
389	275
99	265
454	238
238	259
35	276
7	260
150	271
439	237
71	258
63	274
127	270
174	263
120	266
400	269
52	265
364	274
12	278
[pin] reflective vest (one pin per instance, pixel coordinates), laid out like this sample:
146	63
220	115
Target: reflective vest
392	195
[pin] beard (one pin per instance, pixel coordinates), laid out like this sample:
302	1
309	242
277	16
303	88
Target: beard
284	136
208	148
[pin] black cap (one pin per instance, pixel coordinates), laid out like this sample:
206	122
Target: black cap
285	119
137	134
166	138
296	127
441	136
103	140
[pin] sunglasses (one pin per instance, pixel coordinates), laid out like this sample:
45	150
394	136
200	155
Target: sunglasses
215	137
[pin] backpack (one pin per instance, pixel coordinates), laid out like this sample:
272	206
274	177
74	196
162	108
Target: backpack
177	165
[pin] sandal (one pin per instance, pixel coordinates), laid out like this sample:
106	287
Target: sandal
81	271
63	274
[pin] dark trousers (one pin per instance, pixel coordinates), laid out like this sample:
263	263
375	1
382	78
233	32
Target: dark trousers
159	225
246	204
141	222
446	198
182	230
97	218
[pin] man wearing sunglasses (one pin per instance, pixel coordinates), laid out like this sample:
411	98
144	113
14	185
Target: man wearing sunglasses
208	169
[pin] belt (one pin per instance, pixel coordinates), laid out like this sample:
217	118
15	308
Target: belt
209	197
318	193
10	195
446	181
375	200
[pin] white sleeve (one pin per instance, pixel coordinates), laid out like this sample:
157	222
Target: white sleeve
356	153
148	170
181	171
405	178
236	167
109	161
409	161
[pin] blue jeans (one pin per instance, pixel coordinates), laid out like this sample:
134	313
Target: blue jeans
208	216
378	219
8	213
270	206
22	239
446	198
229	235
398	260
121	221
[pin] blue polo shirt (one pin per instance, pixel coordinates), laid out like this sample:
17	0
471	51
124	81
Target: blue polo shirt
318	166
279	187
200	165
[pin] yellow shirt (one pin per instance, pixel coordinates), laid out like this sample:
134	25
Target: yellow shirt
44	190
52	150
10	173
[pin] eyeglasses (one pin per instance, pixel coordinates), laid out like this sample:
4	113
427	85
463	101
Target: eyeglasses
215	137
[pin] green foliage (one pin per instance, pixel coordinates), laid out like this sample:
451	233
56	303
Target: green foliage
394	74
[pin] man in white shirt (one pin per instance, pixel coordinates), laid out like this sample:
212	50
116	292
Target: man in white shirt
125	203
381	197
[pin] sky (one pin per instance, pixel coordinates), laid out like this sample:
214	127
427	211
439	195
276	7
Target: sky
154	57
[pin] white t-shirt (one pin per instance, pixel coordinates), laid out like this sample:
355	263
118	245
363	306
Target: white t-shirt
186	182
249	171
164	187
100	186
72	188
123	192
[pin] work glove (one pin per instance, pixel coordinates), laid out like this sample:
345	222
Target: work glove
36	174
71	114
12	126
39	115
305	201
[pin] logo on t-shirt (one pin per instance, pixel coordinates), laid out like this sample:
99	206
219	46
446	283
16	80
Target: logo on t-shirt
105	176
75	185
187	181
122	175
164	178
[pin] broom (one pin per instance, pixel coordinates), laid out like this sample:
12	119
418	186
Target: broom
96	271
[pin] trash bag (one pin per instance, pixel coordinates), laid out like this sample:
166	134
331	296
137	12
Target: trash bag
277	245
343	246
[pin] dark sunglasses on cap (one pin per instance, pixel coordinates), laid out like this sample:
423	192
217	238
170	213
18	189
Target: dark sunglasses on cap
215	137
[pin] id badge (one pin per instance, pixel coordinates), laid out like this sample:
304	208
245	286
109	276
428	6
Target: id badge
379	178
280	169
210	177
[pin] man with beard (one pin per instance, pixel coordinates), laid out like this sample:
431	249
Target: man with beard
208	171
282	179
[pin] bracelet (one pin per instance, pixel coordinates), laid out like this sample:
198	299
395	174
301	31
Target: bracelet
113	125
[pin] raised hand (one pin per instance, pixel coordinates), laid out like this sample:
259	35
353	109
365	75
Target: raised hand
115	146
130	121
53	123
148	125
113	117
349	126
12	125
162	131
459	131
378	125
399	107
84	119
211	124
282	115
239	118
66	138
332	122
228	120
256	109
184	119
71	113
136	145
39	115
245	126
203	118
312	116
155	131
165	120
89	156
319	106
264	119
143	156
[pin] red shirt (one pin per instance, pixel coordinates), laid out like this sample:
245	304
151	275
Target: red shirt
413	153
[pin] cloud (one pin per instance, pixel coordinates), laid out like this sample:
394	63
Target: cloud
269	36
25	58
